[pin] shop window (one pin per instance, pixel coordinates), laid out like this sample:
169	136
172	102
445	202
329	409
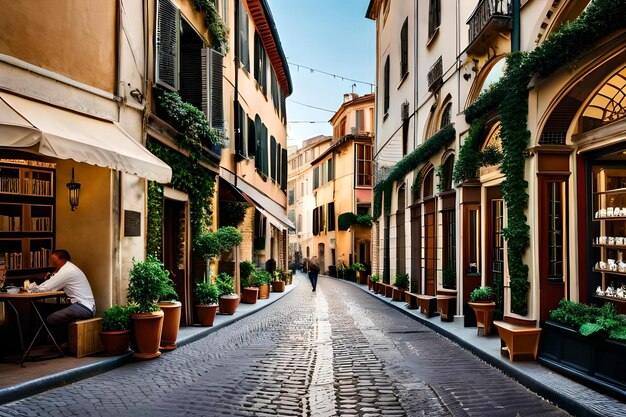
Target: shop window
474	241
449	238
556	235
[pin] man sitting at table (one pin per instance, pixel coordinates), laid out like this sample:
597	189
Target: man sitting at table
69	278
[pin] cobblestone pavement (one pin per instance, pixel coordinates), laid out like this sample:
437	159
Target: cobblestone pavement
334	352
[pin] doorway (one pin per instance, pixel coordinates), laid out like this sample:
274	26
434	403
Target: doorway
175	252
495	248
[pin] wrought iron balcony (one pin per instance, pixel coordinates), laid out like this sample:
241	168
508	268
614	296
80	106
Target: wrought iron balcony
489	17
435	76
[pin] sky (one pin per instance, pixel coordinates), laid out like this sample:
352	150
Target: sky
332	36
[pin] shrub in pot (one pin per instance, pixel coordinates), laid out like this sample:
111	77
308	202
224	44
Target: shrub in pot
262	279
171	307
374	279
207	295
115	333
402	283
249	294
278	280
481	301
228	300
359	270
146	281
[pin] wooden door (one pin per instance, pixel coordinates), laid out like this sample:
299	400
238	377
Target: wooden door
430	246
175	252
416	249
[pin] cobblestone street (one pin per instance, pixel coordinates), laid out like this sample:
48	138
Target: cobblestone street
337	351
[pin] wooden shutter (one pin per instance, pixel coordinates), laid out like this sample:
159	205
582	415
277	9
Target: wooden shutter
273	158
331	216
244	49
191	76
315	222
386	87
251	138
258	133
404	48
264	152
167	36
216	94
242	121
283	182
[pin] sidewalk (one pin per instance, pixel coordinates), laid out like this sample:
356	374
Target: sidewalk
566	393
17	383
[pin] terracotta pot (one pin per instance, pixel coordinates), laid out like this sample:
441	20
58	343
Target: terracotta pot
115	342
370	284
398	294
229	303
278	286
249	295
375	286
264	292
362	278
484	315
206	313
147	330
171	323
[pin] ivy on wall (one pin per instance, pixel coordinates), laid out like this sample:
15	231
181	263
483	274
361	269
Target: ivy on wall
509	96
232	213
187	176
407	164
214	24
155	219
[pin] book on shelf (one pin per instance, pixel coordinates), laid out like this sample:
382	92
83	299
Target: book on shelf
10	223
40	224
9	185
13	260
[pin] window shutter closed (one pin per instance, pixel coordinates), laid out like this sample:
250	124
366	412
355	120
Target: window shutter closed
191	76
283	182
167	44
315	222
244	50
273	158
242	120
258	133
404	48
331	217
251	138
216	97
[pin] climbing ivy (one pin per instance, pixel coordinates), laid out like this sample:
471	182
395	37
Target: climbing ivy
155	219
214	24
509	96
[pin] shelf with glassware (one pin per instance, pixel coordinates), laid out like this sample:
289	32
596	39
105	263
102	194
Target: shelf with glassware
27	217
609	226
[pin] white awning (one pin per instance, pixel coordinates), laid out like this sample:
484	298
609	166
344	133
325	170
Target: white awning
63	134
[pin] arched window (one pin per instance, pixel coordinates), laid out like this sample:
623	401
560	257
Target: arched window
446	116
446	174
427	185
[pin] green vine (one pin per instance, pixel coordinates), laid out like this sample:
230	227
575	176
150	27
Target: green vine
155	219
407	164
509	96
195	133
191	178
232	213
214	24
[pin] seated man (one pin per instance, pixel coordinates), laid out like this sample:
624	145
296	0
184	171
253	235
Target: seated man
69	278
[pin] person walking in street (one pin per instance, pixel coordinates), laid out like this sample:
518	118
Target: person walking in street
314	269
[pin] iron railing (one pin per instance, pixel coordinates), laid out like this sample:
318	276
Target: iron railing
485	10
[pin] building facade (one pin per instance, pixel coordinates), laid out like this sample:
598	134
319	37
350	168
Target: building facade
515	161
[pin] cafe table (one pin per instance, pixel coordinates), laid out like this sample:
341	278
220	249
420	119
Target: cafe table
31	297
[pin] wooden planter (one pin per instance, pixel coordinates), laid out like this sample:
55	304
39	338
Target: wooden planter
484	315
397	294
206	313
278	286
264	292
229	303
370	284
147	330
597	361
171	323
361	278
115	342
249	295
375	287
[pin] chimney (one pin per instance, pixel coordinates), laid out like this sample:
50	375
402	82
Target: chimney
349	97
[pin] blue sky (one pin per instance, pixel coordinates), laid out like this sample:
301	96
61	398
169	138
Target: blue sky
331	36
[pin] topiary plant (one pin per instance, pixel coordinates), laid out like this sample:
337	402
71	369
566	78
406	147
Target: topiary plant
246	268
482	294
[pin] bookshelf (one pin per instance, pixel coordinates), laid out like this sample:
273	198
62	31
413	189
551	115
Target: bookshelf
27	217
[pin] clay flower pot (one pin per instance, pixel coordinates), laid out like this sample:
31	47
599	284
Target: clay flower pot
147	330
249	295
171	323
484	315
229	303
206	313
264	291
278	286
115	342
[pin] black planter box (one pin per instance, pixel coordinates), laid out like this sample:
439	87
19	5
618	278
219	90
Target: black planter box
596	361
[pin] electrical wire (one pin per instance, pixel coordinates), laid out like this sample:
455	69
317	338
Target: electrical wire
330	74
313	107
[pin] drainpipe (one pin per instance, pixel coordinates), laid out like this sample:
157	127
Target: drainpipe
515	37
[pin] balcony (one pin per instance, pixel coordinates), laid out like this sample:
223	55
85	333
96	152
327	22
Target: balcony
490	18
435	76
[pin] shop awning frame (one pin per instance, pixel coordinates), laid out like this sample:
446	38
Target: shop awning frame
63	134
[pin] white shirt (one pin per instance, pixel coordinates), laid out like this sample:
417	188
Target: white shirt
74	282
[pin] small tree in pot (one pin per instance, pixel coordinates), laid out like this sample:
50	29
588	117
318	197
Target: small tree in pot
374	279
262	279
359	270
402	283
249	294
147	280
171	307
115	333
481	301
207	295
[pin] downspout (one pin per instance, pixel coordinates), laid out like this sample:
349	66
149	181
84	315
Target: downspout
516	35
237	132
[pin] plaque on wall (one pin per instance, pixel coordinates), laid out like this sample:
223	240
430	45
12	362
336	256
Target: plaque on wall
132	223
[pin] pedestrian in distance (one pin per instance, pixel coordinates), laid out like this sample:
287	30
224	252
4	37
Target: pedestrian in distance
314	269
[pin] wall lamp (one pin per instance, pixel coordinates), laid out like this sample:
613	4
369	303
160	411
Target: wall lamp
74	191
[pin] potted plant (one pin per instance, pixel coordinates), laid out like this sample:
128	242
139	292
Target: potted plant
207	295
358	269
171	307
145	285
262	279
402	283
228	300
374	279
115	333
278	283
481	301
249	294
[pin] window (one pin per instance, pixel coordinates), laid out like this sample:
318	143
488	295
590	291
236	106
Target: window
251	151
386	87
404	48
449	236
556	235
434	17
240	136
427	187
342	127
272	155
446	174
363	165
405	136
316	177
283	182
473	266
446	116
244	49
261	156
167	32
260	63
360	121
291	197
331	216
331	169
